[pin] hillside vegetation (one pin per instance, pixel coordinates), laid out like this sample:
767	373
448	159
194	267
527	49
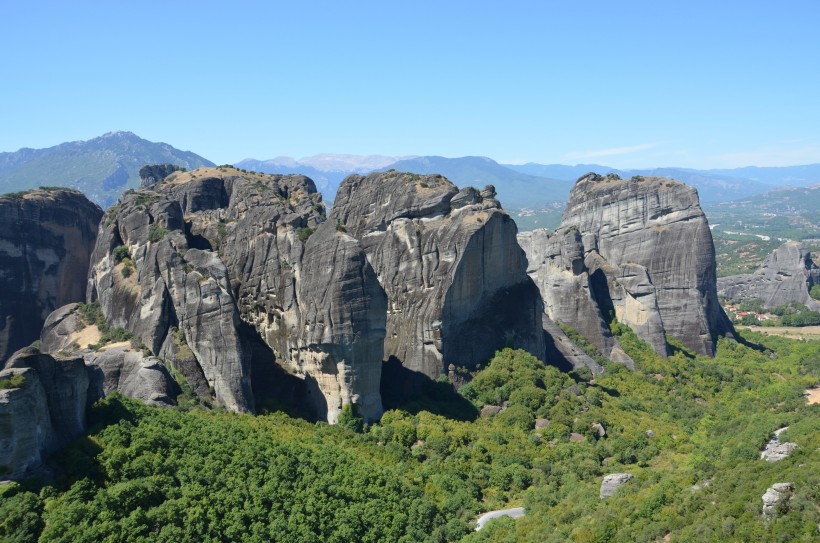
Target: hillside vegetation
690	430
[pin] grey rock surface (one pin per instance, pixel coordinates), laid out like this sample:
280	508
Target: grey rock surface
455	278
235	274
344	314
65	385
613	482
46	238
26	431
45	413
774	496
638	249
130	373
787	275
774	451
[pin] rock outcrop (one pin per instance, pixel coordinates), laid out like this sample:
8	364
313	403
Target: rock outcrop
46	239
229	274
775	495
44	412
638	250
448	260
787	275
613	482
774	451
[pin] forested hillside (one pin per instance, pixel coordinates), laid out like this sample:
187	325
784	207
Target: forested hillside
689	429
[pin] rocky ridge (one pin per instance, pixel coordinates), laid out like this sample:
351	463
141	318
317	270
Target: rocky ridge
638	250
46	239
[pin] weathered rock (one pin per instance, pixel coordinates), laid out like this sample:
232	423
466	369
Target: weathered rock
172	233
152	174
344	315
576	437
26	431
541	423
638	250
774	451
46	238
612	482
774	496
46	412
787	275
490	410
235	273
122	370
65	385
599	429
455	278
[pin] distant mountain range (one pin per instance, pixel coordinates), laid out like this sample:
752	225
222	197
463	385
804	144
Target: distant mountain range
106	166
102	168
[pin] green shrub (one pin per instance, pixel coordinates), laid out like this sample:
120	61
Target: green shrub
15	381
121	253
815	292
156	233
305	233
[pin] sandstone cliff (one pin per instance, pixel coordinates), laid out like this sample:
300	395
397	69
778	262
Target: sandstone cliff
638	250
786	276
46	238
448	260
45	411
227	274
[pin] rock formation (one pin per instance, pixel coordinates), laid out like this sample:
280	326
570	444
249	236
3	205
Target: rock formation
448	260
43	413
775	451
227	273
786	276
46	238
613	482
638	250
774	496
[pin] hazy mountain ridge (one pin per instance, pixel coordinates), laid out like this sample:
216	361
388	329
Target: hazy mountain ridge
102	167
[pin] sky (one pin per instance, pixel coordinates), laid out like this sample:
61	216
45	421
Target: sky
629	84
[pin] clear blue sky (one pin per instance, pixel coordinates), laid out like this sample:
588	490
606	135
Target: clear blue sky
622	83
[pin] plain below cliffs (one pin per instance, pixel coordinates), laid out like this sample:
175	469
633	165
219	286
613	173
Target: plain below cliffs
46	239
638	250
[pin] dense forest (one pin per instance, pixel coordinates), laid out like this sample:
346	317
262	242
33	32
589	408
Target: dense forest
690	429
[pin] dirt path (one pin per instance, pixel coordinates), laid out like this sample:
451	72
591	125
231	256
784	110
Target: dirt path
813	395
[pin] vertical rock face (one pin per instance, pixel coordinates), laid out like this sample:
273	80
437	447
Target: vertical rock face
787	275
448	260
344	308
45	412
223	261
46	238
639	250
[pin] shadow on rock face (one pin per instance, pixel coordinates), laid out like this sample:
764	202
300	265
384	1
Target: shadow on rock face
412	391
274	389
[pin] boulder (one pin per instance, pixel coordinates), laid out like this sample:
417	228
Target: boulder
612	482
774	496
132	374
